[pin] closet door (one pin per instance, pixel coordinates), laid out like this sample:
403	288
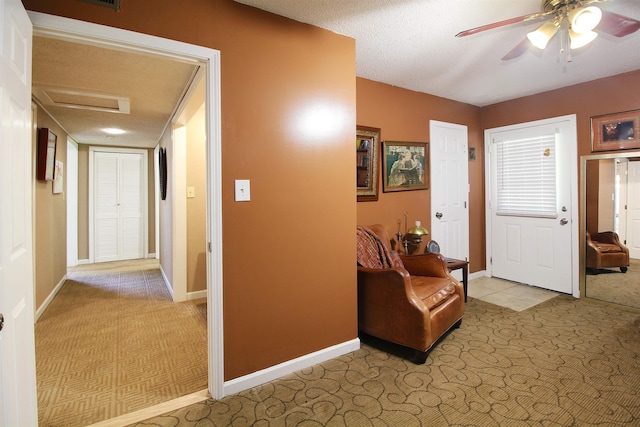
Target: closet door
119	205
131	208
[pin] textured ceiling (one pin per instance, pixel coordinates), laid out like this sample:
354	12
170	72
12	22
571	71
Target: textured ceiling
412	44
83	75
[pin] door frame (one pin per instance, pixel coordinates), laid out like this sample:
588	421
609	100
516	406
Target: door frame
145	195
72	202
573	209
115	38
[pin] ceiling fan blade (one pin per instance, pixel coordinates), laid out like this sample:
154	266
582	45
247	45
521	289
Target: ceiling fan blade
530	17
520	48
617	25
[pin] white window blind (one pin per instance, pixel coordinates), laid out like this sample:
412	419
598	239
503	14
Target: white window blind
526	179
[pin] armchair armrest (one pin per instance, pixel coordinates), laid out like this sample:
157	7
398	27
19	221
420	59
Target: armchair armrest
382	295
430	264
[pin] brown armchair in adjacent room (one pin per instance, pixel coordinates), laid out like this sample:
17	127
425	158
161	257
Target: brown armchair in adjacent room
604	250
407	300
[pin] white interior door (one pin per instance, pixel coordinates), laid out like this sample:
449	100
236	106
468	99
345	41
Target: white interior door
633	210
530	203
17	349
449	188
119	204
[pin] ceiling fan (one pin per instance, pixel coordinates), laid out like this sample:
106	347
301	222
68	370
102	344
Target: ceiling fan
573	18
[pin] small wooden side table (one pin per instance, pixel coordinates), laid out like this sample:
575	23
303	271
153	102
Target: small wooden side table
457	264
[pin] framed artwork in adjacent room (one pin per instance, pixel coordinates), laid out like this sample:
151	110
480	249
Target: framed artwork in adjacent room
162	167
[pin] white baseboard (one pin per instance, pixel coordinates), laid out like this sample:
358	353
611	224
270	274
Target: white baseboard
196	295
83	261
50	298
477	274
167	282
269	374
151	256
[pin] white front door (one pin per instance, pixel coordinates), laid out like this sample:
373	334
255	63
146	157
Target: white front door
449	189
18	399
530	203
119	204
633	209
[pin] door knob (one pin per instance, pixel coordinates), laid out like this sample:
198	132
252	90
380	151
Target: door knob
438	215
1	321
564	221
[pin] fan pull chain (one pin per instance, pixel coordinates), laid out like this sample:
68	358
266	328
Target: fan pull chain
564	39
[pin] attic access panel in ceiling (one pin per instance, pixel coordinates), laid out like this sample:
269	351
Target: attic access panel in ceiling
83	100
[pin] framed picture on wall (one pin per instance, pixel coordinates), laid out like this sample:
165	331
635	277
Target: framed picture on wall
46	156
405	166
619	131
162	168
367	140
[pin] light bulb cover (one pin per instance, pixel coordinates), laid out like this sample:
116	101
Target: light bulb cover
540	37
418	229
585	19
580	40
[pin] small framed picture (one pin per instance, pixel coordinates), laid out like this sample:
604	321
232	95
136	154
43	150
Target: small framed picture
405	166
367	139
619	131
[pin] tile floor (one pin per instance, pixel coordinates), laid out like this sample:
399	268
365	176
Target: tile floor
515	296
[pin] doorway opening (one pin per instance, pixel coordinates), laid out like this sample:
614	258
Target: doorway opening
87	33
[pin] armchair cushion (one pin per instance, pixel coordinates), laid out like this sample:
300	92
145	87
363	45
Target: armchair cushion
432	292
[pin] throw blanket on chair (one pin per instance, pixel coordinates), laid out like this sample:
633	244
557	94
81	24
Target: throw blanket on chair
372	253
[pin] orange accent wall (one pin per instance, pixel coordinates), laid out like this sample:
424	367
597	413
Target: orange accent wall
288	117
604	96
403	115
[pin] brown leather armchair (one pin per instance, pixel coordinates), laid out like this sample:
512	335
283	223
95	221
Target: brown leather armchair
407	300
604	250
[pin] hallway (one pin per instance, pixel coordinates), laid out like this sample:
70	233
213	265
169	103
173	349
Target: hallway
112	342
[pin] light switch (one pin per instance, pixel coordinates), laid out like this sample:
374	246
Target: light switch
191	192
243	190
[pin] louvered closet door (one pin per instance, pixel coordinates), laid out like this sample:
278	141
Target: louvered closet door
118	206
131	209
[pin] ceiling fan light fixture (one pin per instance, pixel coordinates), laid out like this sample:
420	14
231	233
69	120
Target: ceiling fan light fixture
580	40
540	37
585	19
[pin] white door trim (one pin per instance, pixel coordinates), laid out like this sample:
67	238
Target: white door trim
145	195
71	192
85	32
178	173
573	209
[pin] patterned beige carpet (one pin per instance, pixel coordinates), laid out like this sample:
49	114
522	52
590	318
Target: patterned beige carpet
564	362
614	286
112	342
